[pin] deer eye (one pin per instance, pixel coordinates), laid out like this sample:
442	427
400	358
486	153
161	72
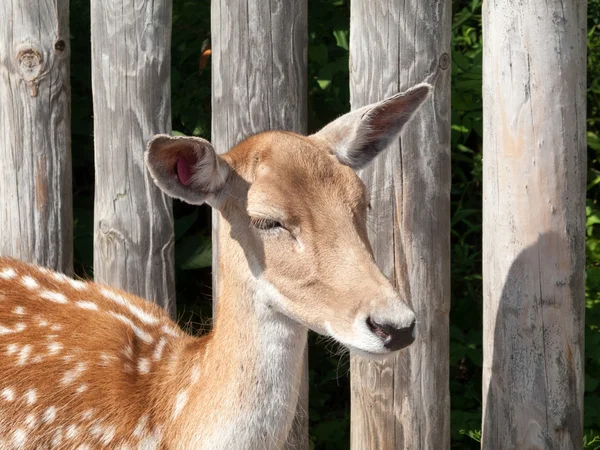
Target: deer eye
263	223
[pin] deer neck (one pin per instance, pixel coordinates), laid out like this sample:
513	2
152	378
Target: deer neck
253	359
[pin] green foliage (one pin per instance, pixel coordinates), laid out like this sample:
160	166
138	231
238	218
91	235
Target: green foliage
329	98
591	441
592	311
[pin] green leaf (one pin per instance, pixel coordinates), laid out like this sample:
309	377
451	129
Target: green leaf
593	141
194	252
317	54
183	224
591	383
341	38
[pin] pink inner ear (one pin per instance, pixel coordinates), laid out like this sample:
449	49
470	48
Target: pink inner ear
184	171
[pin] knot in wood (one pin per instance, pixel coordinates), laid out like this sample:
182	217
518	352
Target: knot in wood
444	62
30	64
60	46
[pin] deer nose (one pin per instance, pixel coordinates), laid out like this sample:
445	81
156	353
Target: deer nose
393	337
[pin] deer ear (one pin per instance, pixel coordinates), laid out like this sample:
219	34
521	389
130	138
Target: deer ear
359	136
187	168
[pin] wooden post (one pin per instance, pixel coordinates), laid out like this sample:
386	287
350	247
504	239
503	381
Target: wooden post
259	51
133	223
534	177
404	403
36	217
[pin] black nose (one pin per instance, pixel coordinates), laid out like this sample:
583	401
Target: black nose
393	338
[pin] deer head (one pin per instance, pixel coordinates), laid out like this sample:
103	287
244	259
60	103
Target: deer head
294	221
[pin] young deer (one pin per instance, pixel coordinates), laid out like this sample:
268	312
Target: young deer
84	366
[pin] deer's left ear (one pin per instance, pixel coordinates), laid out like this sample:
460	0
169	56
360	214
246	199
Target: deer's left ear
187	168
358	137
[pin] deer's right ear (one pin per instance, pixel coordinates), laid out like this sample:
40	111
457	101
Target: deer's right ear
187	168
359	136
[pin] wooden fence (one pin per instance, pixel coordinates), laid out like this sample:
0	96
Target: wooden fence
534	184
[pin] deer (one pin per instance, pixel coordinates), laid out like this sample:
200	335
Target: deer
85	366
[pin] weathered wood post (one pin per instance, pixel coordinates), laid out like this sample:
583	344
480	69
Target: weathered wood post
534	84
133	221
36	217
405	403
259	51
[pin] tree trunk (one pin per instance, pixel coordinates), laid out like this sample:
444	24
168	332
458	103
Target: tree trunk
534	223
404	403
133	221
36	217
259	51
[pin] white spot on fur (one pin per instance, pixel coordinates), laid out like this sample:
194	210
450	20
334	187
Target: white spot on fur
72	432
37	359
105	359
76	284
56	327
87	305
171	331
143	366
8	394
137	331
83	447
87	414
140	428
19	310
11	349
139	313
60	277
158	351
127	351
58	437
49	415
30	396
30	421
150	443
19	437
8	273
71	375
29	282
4	330
180	402
54	348
55	297
20	327
195	376
24	354
96	429
42	322
109	434
81	388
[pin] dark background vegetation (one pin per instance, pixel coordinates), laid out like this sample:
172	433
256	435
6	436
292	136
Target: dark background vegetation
329	97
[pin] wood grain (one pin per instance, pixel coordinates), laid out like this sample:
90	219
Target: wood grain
534	174
133	222
404	403
259	56
36	217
